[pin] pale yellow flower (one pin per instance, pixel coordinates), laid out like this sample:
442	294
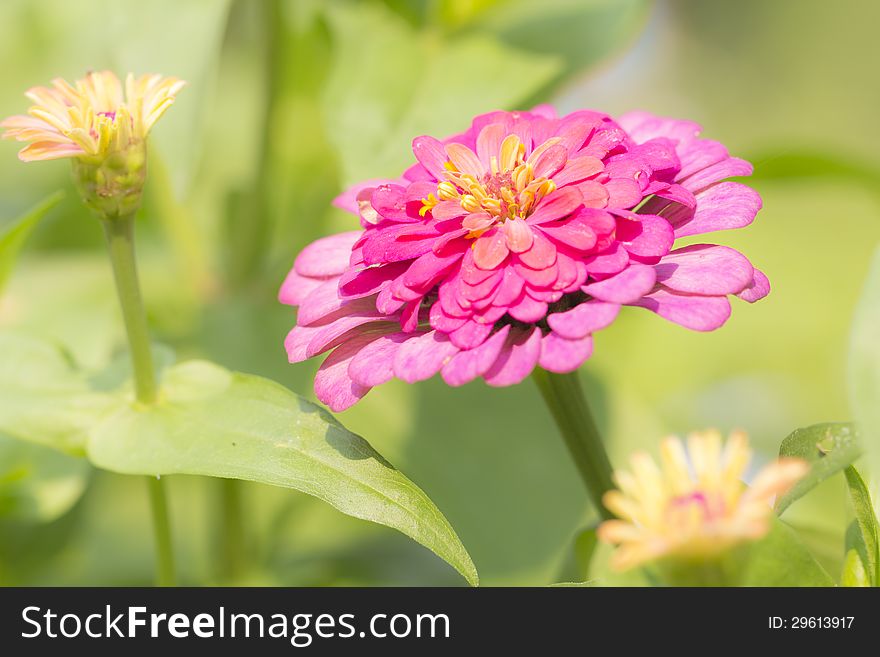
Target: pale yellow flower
91	118
694	506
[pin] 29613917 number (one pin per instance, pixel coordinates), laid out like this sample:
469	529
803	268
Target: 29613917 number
810	622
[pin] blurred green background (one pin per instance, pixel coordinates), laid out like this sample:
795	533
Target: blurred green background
289	102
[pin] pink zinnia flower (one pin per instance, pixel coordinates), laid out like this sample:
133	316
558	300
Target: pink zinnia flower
509	245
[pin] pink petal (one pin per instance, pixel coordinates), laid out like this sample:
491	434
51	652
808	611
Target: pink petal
551	161
443	322
693	312
326	334
510	289
594	194
562	355
427	268
477	221
578	169
705	269
328	256
390	201
490	249
724	206
409	316
575	233
645	235
348	200
538	278
430	154
728	168
541	255
519	235
584	319
465	160
757	289
333	385
611	261
629	285
560	203
470	335
295	288
528	310
623	193
325	300
421	357
373	364
489	142
447	210
467	365
517	359
482	289
356	283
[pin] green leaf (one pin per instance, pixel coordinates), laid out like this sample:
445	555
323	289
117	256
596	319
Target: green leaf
854	574
14	234
213	422
44	398
781	559
862	536
828	447
37	483
864	366
577	564
401	83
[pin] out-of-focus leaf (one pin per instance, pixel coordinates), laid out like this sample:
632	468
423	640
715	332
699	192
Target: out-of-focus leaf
577	564
44	398
217	423
582	32
38	483
800	164
864	366
862	537
14	234
828	447
780	559
400	83
854	573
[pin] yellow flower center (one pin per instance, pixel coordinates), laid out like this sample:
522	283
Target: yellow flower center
509	190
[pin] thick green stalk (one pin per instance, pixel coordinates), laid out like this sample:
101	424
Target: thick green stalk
565	399
162	533
119	232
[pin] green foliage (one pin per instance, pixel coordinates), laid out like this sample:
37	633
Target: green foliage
862	553
829	448
14	233
37	483
221	424
781	559
217	423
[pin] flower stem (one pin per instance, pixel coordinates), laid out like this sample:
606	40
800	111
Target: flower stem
119	232
120	243
565	399
162	533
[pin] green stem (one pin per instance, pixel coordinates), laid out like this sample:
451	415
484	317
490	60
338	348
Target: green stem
120	242
119	232
565	399
162	533
233	546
